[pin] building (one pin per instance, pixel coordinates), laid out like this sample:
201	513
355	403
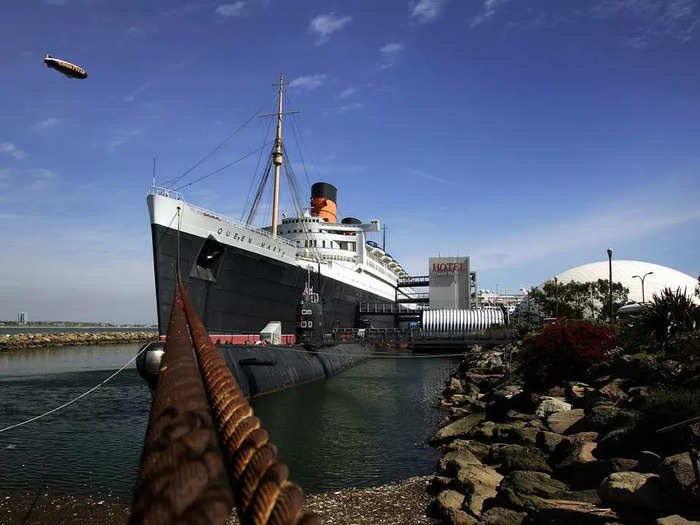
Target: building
452	283
22	318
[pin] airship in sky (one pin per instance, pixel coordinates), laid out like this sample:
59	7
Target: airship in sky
68	69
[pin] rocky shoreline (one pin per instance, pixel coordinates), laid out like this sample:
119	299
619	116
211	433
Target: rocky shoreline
567	455
393	504
24	341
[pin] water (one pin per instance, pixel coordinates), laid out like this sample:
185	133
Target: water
366	426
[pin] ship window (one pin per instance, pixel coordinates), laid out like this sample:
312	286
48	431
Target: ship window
209	260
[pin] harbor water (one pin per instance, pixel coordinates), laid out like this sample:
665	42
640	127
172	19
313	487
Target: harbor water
366	426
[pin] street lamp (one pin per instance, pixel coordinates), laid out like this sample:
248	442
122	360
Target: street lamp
642	279
556	298
612	314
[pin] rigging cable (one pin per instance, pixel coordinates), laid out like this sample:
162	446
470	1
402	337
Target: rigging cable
208	155
251	185
298	140
76	398
222	168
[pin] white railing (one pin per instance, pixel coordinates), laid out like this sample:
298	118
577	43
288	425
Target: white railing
165	192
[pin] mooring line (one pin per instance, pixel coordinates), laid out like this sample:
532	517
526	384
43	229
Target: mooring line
75	399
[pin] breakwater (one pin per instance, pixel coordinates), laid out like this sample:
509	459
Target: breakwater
580	450
29	340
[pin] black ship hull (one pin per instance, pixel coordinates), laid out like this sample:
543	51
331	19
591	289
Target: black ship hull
243	291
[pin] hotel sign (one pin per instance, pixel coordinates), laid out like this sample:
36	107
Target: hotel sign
449	282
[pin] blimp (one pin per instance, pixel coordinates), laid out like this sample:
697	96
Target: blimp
68	69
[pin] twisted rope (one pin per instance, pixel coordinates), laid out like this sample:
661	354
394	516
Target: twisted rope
263	493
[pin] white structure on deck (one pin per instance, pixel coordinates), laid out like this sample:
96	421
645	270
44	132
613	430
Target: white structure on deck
461	320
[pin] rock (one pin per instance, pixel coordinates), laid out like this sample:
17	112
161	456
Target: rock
483	381
587	496
455	460
478	483
483	431
678	478
648	461
448	502
560	422
613	391
579	467
462	518
574	512
507	458
459	428
637	395
480	450
548	441
634	489
603	417
507	433
643	369
577	393
502	516
557	391
439	483
675	519
551	405
455	386
513	415
525	490
617	442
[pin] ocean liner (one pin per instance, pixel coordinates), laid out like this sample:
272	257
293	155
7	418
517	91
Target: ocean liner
241	277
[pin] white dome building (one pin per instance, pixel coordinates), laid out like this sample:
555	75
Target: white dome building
624	272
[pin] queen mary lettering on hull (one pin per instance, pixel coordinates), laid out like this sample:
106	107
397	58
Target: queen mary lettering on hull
241	277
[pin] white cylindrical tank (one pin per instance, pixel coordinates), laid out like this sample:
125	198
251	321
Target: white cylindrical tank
461	320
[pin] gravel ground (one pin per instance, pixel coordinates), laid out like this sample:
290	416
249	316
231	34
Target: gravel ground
403	503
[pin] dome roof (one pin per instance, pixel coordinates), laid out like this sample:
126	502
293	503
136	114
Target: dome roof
623	272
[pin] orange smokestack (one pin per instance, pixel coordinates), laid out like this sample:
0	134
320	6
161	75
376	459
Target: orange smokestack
323	201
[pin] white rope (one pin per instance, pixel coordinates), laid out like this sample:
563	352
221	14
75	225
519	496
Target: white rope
75	399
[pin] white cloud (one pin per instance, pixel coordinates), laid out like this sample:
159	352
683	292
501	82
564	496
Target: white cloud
427	10
347	92
121	137
8	148
140	89
488	9
389	54
233	9
48	123
326	25
429	176
350	107
308	82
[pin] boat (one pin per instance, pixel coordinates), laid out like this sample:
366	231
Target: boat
241	277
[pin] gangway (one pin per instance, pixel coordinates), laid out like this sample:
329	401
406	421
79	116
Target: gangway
414	281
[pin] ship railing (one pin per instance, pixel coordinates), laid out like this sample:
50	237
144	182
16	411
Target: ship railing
239	224
165	192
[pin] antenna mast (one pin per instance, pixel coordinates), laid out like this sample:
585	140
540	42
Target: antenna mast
277	160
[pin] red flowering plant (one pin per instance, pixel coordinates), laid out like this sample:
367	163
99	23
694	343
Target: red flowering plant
563	351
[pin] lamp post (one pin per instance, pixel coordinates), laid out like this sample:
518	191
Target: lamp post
556	298
642	279
612	314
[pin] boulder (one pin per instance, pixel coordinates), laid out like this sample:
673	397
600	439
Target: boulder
459	428
577	393
678	478
675	519
548	441
551	405
634	489
479	449
613	391
507	458
509	433
483	382
448	502
643	369
483	431
560	511
526	490
618	442
579	467
502	516
560	422
648	461
478	483
455	386
439	483
454	460
602	417
513	415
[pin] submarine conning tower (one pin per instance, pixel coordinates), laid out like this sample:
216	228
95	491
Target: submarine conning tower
324	201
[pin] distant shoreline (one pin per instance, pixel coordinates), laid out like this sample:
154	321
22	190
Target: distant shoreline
22	341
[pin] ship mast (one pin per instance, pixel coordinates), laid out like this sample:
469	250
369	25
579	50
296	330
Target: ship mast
277	160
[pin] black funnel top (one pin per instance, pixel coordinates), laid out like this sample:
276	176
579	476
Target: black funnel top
323	190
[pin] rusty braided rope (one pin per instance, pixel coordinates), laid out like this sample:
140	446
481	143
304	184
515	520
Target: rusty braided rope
182	477
262	491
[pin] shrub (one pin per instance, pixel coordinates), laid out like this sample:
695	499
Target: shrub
669	314
564	350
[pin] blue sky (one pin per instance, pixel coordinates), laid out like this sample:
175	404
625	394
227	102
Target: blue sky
528	135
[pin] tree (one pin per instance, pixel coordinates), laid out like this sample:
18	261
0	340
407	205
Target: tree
668	314
578	300
601	289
